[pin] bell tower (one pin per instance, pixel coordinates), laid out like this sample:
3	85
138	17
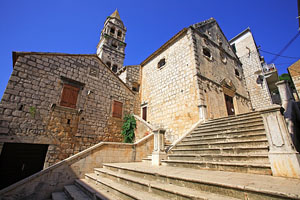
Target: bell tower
111	47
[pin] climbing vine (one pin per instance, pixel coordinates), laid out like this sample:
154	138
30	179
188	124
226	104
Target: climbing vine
128	128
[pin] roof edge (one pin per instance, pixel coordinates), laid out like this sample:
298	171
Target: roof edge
164	46
15	56
240	34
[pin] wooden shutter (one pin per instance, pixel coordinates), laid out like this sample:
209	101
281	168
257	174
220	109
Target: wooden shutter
117	109
145	113
69	96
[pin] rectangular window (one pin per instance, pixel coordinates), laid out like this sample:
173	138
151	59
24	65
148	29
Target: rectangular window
144	113
69	96
117	109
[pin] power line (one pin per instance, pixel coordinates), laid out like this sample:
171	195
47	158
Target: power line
278	55
285	47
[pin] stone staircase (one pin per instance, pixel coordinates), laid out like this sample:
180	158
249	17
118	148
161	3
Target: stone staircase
217	155
237	144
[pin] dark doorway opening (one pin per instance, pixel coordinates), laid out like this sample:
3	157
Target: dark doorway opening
229	105
144	113
18	161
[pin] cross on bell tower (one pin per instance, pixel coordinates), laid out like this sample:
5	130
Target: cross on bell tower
111	47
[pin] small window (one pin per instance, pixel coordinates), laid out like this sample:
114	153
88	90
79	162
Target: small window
114	68
144	113
207	53
112	30
161	63
69	96
108	64
135	87
117	108
237	73
119	33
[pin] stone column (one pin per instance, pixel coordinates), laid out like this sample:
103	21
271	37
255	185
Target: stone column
285	93
284	159
159	147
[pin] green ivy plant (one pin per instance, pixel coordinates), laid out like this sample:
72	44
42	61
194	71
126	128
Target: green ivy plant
32	111
128	128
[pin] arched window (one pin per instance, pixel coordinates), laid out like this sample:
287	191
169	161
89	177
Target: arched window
119	33
114	68
112	30
108	64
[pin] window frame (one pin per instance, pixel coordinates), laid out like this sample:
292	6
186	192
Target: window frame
115	106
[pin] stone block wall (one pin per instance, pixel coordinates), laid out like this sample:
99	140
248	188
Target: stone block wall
249	56
131	75
217	69
30	107
294	71
170	92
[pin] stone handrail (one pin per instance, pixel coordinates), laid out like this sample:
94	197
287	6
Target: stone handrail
143	128
189	131
55	177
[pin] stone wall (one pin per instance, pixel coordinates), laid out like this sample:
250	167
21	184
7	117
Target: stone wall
54	178
294	71
30	108
220	69
131	75
247	52
170	91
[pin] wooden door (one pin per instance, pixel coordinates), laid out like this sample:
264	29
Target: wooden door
229	105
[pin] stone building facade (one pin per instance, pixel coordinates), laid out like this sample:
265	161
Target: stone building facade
67	103
193	76
245	47
294	71
34	108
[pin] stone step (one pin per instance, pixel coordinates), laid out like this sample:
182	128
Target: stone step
59	196
233	126
94	191
240	117
165	190
227	150
122	191
221	166
246	143
75	193
257	159
237	185
213	134
238	138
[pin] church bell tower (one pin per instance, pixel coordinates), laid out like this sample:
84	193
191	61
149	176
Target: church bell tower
111	47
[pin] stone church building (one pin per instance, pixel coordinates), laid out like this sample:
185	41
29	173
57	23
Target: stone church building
56	105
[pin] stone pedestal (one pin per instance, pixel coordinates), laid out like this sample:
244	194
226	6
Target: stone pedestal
285	93
159	147
284	159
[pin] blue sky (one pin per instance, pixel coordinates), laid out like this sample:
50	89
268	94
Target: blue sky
73	26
